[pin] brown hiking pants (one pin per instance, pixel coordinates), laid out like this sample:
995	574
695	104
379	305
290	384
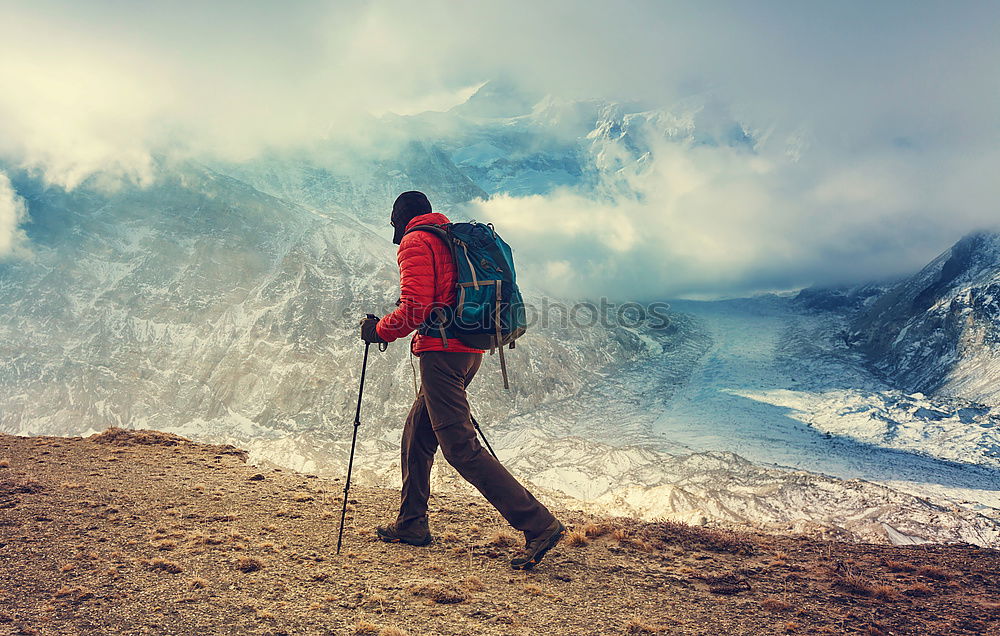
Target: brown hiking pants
440	415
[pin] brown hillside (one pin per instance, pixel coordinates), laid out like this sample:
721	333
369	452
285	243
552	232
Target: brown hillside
143	532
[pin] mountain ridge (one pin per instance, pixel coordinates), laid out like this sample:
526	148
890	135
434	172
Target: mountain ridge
145	532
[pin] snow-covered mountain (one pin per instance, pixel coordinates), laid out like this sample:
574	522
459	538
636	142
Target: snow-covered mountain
939	331
221	303
202	302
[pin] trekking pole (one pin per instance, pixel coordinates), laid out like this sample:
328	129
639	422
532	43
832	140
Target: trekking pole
485	441
354	440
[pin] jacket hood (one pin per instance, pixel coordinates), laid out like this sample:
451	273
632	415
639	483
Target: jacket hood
431	218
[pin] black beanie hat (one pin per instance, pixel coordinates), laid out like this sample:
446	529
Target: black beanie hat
408	206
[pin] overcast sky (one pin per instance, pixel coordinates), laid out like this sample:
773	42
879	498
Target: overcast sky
894	105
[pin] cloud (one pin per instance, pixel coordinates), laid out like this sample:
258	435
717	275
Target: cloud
12	214
876	122
706	219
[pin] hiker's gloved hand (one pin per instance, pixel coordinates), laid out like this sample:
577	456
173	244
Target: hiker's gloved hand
368	332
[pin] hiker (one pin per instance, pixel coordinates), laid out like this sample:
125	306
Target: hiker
440	414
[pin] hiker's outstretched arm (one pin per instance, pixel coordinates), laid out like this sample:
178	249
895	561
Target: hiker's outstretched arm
416	280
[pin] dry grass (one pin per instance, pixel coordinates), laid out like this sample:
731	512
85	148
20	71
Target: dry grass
75	594
128	509
854	582
919	590
366	628
596	530
474	584
885	592
934	572
577	539
249	564
639	626
67	567
628	538
444	593
4	463
167	566
775	605
503	539
899	566
198	583
695	538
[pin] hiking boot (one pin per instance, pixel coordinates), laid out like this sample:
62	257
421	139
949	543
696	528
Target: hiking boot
417	534
536	548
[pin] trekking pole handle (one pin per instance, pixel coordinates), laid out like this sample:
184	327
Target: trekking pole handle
382	346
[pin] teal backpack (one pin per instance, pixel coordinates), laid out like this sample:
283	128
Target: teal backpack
488	311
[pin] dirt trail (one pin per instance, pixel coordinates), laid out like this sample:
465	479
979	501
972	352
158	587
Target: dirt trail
142	532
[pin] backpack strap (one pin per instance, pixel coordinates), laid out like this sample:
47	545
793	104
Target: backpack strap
441	231
499	341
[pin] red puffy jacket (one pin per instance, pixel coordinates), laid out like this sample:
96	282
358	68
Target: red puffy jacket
427	279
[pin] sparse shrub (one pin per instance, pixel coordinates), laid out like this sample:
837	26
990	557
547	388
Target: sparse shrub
302	498
503	539
727	583
628	539
71	485
474	584
595	530
693	538
365	628
577	539
67	567
775	605
438	592
790	627
198	583
211	540
25	486
854	582
166	545
4	463
899	566
534	590
249	564
885	592
934	572
449	536
919	590
638	626
392	631
75	594
167	566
